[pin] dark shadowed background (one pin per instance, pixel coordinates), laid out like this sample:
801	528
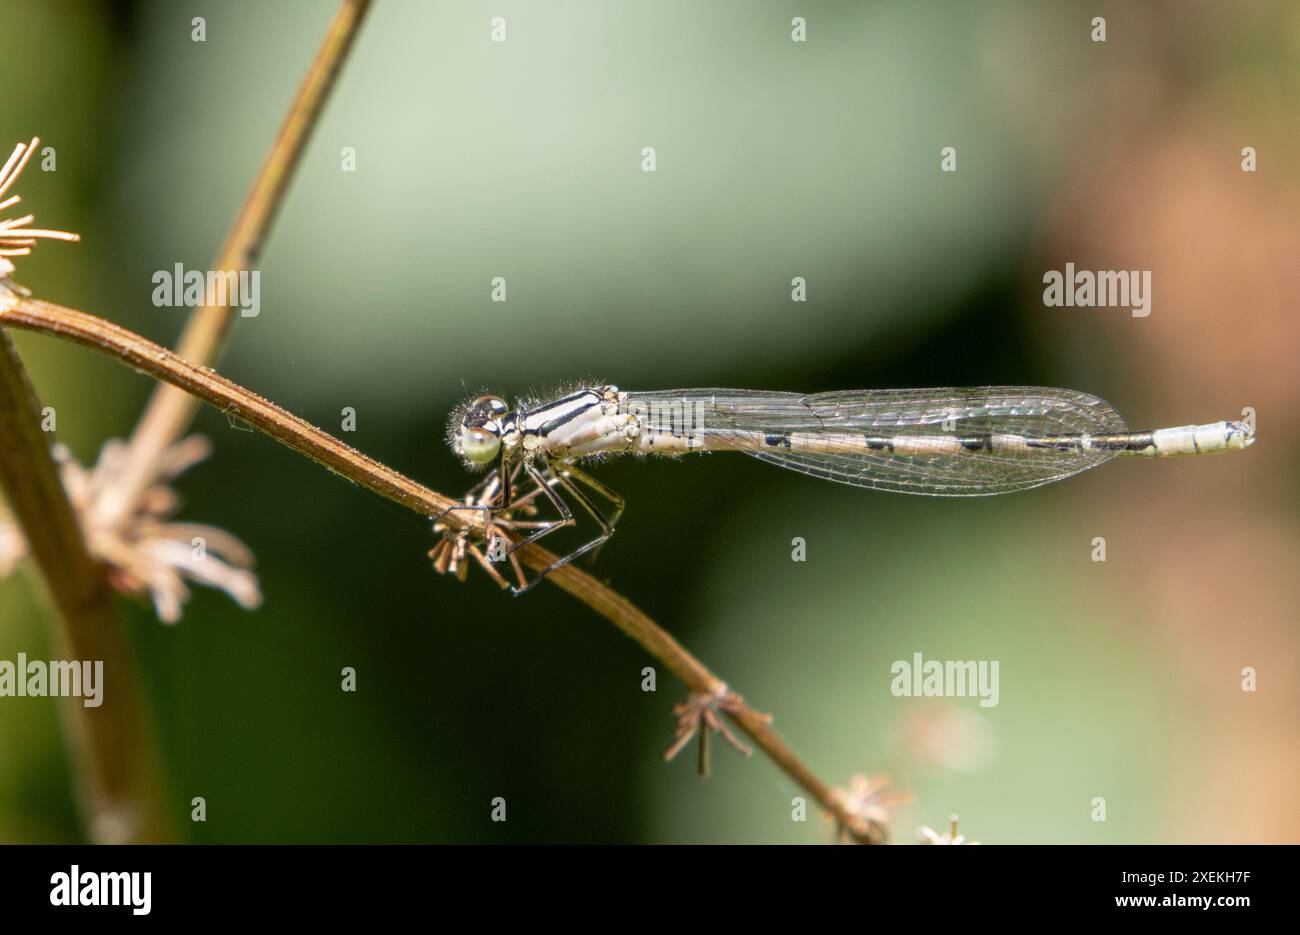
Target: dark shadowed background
775	159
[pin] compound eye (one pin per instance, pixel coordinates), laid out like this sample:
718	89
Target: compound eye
479	445
494	405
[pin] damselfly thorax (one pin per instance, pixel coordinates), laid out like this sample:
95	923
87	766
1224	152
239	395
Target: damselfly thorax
935	442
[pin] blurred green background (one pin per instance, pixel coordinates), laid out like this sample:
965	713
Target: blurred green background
775	159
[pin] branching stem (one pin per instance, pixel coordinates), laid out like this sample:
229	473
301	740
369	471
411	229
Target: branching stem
231	398
170	410
120	788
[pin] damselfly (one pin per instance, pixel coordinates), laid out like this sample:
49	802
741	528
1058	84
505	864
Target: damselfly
936	442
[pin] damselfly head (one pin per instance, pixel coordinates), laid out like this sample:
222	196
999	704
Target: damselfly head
474	430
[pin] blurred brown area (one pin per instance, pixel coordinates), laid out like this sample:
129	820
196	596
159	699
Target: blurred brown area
1155	181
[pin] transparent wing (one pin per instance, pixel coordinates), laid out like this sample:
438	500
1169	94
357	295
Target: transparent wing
936	442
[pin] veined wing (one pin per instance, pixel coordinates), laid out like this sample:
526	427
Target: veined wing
938	442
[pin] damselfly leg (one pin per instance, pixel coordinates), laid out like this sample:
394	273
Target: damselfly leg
459	543
560	476
492	494
517	514
613	498
544	485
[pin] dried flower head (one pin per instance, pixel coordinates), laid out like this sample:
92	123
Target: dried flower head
930	836
699	715
143	549
16	238
865	799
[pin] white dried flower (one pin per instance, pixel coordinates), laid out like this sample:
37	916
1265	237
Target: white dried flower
144	550
867	801
930	836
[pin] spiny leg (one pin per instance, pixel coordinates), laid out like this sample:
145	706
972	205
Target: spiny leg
566	515
542	485
450	554
496	543
607	530
568	468
618	502
494	495
524	500
504	474
606	527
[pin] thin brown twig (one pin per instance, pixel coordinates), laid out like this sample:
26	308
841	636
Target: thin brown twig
118	775
265	416
169	411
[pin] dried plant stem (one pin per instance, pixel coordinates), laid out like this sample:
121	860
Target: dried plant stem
320	446
112	745
170	410
116	761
